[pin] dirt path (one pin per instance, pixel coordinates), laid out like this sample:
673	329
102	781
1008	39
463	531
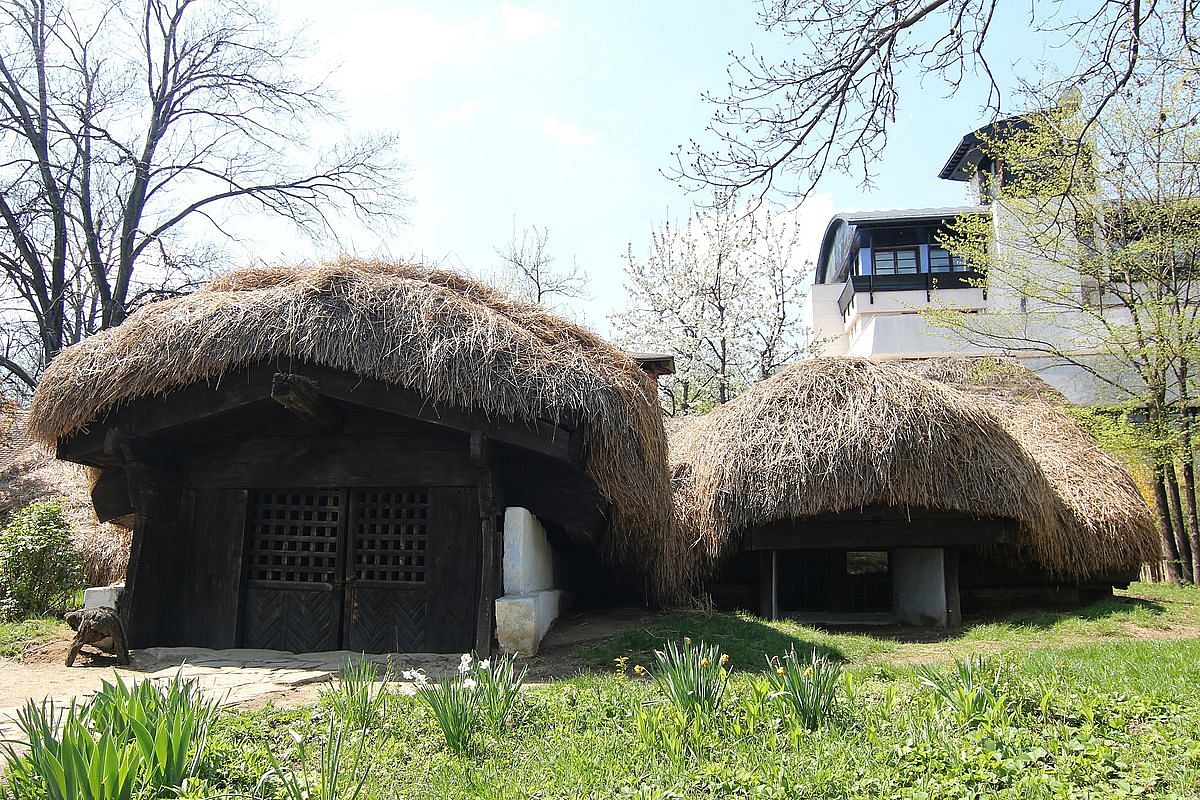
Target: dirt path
245	678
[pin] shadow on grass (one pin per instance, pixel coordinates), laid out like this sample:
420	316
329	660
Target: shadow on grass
1101	618
748	641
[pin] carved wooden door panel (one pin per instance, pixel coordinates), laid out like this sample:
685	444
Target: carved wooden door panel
294	563
411	570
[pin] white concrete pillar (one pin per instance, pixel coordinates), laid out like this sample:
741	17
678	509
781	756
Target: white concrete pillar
531	601
919	585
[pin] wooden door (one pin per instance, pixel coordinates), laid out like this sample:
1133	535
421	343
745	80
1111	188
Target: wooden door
412	570
294	563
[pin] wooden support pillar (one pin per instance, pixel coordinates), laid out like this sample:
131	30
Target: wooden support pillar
768	584
953	603
774	584
153	558
490	544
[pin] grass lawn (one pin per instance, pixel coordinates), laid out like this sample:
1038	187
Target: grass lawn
1099	703
17	637
1143	611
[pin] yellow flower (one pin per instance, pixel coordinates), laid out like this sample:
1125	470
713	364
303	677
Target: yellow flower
639	670
780	671
687	640
704	662
724	659
808	672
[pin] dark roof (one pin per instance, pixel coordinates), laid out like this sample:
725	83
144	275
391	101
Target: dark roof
966	155
908	214
655	363
878	218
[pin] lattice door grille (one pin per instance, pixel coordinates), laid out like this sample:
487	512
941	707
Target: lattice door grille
391	536
294	536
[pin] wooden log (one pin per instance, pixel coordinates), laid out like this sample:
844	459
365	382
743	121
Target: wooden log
805	534
110	495
299	395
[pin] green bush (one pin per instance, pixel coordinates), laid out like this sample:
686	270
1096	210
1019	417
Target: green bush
40	569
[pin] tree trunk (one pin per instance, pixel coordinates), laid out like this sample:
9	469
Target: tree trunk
1171	568
1183	546
1188	490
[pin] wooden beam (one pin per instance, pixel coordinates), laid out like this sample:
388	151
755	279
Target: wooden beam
299	395
110	495
806	534
538	436
323	459
197	404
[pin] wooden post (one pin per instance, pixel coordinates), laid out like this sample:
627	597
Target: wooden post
774	584
490	556
953	604
768	584
765	584
153	560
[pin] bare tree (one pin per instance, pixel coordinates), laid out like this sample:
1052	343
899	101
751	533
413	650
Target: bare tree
829	105
123	124
528	269
723	296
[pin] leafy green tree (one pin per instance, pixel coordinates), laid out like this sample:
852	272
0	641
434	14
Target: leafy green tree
1091	258
40	569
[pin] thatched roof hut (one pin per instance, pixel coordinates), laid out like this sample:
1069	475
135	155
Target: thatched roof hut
1101	520
451	342
834	435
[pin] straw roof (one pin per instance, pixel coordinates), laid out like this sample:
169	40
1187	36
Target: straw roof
455	341
840	434
1102	520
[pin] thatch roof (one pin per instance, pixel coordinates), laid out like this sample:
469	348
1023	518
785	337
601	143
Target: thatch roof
1101	515
455	341
840	434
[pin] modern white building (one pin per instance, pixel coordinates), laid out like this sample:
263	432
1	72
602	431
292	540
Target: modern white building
878	271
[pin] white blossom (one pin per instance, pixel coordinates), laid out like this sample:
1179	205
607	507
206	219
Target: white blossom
464	663
485	663
470	683
417	676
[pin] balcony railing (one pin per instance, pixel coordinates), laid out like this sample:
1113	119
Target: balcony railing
929	281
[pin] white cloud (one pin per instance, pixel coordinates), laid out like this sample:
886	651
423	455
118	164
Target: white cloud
568	133
526	22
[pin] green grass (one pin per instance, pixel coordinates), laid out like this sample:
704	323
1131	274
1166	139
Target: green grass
1144	608
1098	721
17	637
1103	702
747	639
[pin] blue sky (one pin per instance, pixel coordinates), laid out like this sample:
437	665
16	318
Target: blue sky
561	115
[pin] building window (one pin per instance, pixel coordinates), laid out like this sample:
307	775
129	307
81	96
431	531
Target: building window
896	261
942	260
